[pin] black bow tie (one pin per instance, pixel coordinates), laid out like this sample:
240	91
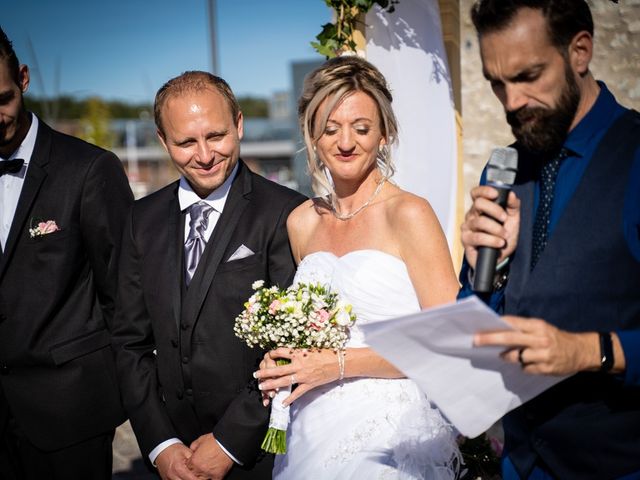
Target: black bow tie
11	166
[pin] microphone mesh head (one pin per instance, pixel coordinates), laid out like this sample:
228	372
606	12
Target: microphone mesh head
503	166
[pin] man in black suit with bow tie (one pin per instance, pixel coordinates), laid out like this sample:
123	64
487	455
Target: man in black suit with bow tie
62	206
191	252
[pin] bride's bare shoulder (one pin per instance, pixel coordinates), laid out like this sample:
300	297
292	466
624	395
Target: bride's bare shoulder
406	207
307	214
303	222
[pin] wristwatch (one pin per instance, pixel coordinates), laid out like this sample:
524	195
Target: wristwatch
606	351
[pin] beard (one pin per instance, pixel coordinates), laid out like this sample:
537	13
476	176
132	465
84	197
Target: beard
544	130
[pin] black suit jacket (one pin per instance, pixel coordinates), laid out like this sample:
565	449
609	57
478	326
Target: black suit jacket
57	294
183	371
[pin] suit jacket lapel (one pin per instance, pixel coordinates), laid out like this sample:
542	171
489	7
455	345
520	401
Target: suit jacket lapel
175	235
234	207
36	173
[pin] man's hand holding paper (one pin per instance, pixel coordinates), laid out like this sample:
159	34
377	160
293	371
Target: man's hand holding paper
543	349
474	387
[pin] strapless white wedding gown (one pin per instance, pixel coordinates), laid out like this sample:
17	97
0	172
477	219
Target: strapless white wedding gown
366	428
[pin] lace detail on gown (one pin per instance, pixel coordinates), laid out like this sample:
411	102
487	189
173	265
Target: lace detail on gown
366	427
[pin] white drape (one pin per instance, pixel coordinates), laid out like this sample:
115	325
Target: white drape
408	48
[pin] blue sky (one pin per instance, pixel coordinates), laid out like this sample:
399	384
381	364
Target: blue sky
126	49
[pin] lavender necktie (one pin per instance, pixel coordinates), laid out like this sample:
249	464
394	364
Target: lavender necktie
543	214
194	246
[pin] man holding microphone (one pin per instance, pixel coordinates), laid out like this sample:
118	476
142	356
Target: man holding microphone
568	276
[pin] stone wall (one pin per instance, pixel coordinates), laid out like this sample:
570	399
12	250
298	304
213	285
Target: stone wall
616	62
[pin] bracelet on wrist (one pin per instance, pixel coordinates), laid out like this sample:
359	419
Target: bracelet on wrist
341	354
499	279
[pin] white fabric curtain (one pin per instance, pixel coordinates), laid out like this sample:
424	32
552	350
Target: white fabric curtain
408	48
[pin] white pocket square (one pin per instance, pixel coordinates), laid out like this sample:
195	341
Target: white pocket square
241	252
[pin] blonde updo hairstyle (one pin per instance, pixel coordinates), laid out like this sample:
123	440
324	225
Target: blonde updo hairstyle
335	80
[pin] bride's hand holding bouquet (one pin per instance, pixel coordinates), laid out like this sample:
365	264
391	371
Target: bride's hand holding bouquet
300	322
305	368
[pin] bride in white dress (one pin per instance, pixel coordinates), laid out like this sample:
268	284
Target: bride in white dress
353	414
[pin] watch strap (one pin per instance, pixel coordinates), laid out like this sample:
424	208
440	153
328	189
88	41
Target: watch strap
606	351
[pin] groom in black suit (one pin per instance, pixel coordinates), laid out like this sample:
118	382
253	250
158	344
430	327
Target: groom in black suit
191	252
62	206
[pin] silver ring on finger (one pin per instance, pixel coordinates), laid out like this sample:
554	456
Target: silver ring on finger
293	378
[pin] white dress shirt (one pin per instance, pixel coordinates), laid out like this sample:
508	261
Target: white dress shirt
11	183
217	200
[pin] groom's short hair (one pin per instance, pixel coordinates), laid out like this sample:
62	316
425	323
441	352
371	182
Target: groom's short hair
193	81
7	54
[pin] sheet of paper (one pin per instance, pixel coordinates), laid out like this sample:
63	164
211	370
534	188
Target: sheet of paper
472	386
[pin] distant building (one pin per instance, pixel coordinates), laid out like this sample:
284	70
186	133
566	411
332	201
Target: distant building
268	148
280	106
299	70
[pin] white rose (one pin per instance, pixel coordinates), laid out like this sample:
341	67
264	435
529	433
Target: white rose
343	318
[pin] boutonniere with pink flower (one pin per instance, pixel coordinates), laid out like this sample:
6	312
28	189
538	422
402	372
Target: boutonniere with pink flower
44	228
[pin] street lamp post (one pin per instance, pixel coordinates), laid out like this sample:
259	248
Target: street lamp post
213	35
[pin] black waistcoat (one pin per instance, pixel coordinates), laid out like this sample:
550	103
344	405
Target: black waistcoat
588	426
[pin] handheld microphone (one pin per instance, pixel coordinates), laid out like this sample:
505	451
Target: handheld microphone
501	174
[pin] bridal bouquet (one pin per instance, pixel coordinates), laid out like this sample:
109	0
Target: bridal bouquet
301	316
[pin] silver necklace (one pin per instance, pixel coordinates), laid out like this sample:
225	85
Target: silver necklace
347	216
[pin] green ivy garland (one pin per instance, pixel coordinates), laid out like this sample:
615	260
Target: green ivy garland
337	37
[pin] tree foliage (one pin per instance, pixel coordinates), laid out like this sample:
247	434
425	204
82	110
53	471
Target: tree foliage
69	108
95	123
254	106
